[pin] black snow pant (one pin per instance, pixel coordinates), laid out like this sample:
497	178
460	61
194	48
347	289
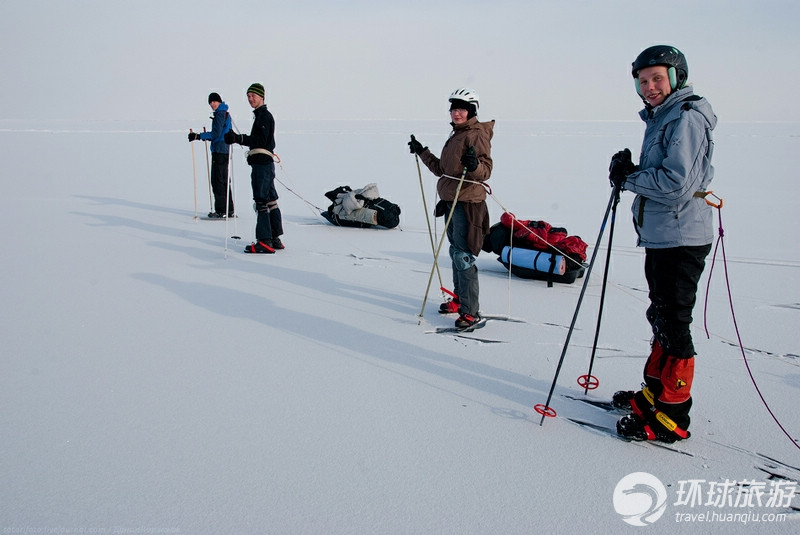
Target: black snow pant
672	277
219	183
269	223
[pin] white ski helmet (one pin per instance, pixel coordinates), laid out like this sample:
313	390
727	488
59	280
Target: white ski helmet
467	95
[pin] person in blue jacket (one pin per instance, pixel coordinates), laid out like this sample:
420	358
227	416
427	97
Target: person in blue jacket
220	185
675	226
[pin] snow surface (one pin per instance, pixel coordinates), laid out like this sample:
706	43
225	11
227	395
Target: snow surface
154	381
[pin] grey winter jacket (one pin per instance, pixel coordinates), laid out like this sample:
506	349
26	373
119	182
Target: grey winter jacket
675	163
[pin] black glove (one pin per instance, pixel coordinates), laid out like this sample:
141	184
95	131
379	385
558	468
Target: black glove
231	137
415	146
469	160
621	166
193	136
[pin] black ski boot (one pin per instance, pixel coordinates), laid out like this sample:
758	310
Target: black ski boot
259	247
622	399
636	428
468	322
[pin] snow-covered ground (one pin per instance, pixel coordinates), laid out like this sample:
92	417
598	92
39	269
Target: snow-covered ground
153	381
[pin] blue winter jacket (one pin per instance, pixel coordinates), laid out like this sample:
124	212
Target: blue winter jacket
675	163
220	124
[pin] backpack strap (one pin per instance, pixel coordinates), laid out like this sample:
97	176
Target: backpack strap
552	268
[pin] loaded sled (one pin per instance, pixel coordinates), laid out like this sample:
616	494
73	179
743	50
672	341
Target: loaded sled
361	208
533	249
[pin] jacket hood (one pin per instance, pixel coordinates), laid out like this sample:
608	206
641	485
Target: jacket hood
222	107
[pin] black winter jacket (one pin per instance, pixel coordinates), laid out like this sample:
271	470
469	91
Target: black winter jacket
262	136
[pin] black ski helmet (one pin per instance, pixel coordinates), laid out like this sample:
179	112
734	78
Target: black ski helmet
666	55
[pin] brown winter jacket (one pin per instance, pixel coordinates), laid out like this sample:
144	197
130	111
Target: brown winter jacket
470	134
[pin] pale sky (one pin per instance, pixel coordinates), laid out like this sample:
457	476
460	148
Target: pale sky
93	60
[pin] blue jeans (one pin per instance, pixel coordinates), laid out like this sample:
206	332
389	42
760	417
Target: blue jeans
465	272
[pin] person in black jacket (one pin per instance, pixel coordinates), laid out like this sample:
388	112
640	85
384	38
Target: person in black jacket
269	224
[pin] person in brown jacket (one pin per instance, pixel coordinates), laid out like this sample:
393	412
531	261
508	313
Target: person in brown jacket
467	150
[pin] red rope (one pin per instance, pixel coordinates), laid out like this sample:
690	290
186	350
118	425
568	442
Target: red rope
721	241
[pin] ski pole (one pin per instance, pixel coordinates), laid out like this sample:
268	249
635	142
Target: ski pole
208	172
228	213
441	241
545	409
194	175
588	381
232	193
427	216
227	202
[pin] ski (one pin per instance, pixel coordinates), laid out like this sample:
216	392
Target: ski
772	467
456	330
603	405
466	333
608	431
498	317
481	340
601	429
607	406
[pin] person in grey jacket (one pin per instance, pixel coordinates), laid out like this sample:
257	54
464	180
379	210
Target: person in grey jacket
674	225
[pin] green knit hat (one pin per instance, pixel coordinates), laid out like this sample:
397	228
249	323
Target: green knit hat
256	88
